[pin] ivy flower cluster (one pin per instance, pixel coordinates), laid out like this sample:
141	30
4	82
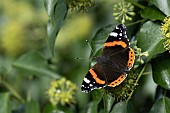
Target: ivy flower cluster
61	92
165	28
79	5
123	11
139	54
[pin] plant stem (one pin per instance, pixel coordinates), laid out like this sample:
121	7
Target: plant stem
12	90
146	73
136	22
136	4
140	74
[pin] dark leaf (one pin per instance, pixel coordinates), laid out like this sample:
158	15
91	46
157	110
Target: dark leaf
122	107
34	63
57	11
161	106
163	5
93	106
149	39
48	108
161	70
152	13
108	102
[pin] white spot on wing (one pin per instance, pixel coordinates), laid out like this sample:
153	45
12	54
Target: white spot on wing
91	85
113	34
120	34
86	80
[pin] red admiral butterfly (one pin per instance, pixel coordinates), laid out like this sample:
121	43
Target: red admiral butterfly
112	67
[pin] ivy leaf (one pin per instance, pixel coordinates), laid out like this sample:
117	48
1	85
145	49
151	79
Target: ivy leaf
4	103
152	13
108	102
161	106
93	106
34	63
163	5
149	39
56	10
161	70
122	107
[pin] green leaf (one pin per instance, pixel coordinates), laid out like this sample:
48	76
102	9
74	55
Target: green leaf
161	106
152	13
57	11
149	39
48	108
122	107
163	5
99	39
32	107
4	103
161	70
93	106
34	63
108	102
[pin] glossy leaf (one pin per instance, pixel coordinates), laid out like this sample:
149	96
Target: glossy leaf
161	106
163	5
34	63
32	107
149	39
48	108
161	70
93	106
152	13
4	103
122	107
108	102
56	10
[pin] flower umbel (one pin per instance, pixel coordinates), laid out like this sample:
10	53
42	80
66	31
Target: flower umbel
139	54
123	11
61	92
79	5
165	28
124	90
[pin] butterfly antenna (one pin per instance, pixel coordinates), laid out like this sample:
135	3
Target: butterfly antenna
77	58
90	46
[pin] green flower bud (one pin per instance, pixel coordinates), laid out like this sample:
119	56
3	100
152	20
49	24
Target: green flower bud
122	11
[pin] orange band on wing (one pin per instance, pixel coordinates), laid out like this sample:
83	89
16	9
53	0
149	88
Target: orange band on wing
131	58
95	77
110	44
117	81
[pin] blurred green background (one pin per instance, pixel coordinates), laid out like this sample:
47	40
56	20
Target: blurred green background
23	47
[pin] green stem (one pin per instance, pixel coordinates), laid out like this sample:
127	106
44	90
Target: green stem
140	74
133	23
12	90
146	73
136	4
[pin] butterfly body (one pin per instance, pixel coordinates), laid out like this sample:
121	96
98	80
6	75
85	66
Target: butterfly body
112	66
